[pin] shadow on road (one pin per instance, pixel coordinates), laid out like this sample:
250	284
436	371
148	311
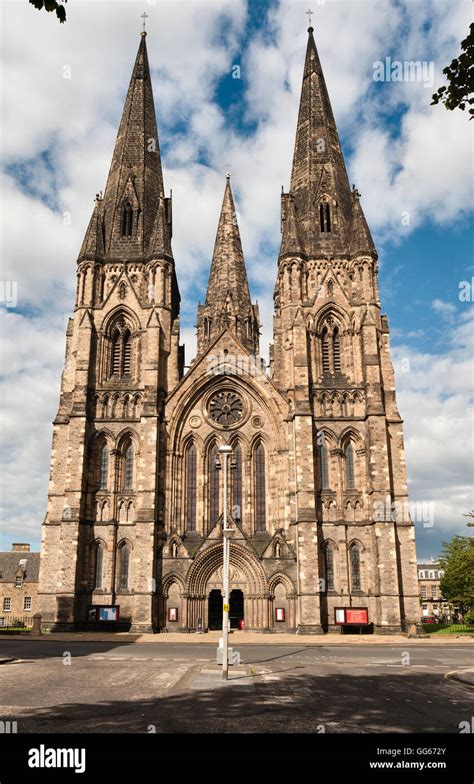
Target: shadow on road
403	703
27	648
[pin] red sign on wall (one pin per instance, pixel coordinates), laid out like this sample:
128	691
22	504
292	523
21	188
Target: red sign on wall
356	616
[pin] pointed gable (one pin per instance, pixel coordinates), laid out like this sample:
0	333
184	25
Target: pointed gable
361	238
160	244
290	242
93	244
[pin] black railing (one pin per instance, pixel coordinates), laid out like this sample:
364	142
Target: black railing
18	622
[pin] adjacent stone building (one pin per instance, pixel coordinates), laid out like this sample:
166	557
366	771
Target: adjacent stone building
19	574
432	603
136	497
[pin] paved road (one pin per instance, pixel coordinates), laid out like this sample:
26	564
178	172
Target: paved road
445	656
108	687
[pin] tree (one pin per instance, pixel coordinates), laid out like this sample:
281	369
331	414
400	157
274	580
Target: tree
461	79
457	561
51	5
470	514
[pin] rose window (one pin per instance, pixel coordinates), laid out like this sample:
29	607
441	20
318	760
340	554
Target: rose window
226	408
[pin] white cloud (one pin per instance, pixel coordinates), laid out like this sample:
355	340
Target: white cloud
446	309
435	397
32	354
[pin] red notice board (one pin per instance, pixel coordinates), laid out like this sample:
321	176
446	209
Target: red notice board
351	616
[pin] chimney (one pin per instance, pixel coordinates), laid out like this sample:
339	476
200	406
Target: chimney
20	547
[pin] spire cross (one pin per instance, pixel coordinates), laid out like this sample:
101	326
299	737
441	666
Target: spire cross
144	16
309	13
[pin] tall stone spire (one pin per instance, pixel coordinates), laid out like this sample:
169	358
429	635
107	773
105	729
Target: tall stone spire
135	181
228	303
319	183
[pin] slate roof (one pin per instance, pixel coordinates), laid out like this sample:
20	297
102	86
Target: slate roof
10	561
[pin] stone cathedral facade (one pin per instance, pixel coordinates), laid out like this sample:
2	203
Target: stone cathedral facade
136	495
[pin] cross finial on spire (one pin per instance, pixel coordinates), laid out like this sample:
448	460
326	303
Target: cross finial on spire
309	13
228	173
144	16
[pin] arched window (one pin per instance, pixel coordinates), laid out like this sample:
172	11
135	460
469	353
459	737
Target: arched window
103	466
99	564
191	460
121	356
124	563
237	484
325	348
213	486
127	220
355	568
329	568
260	494
349	460
324	464
324	217
128	467
336	351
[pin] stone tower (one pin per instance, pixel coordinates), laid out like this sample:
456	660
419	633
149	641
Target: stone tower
331	358
122	358
318	493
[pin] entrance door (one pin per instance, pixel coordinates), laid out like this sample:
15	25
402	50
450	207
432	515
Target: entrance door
215	609
236	609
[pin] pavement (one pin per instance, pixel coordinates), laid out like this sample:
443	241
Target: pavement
250	638
462	676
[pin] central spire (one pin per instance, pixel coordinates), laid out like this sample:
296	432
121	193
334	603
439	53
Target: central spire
228	304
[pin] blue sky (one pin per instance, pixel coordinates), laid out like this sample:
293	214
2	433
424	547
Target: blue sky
406	158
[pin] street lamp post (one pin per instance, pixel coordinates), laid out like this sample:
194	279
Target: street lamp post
227	533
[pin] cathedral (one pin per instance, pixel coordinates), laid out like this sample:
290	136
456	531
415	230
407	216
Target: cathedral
316	491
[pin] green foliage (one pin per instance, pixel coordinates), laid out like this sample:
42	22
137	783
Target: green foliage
469	617
457	560
461	79
444	628
471	515
51	5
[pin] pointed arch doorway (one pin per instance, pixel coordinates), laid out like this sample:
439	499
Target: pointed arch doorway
215	610
236	609
248	597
